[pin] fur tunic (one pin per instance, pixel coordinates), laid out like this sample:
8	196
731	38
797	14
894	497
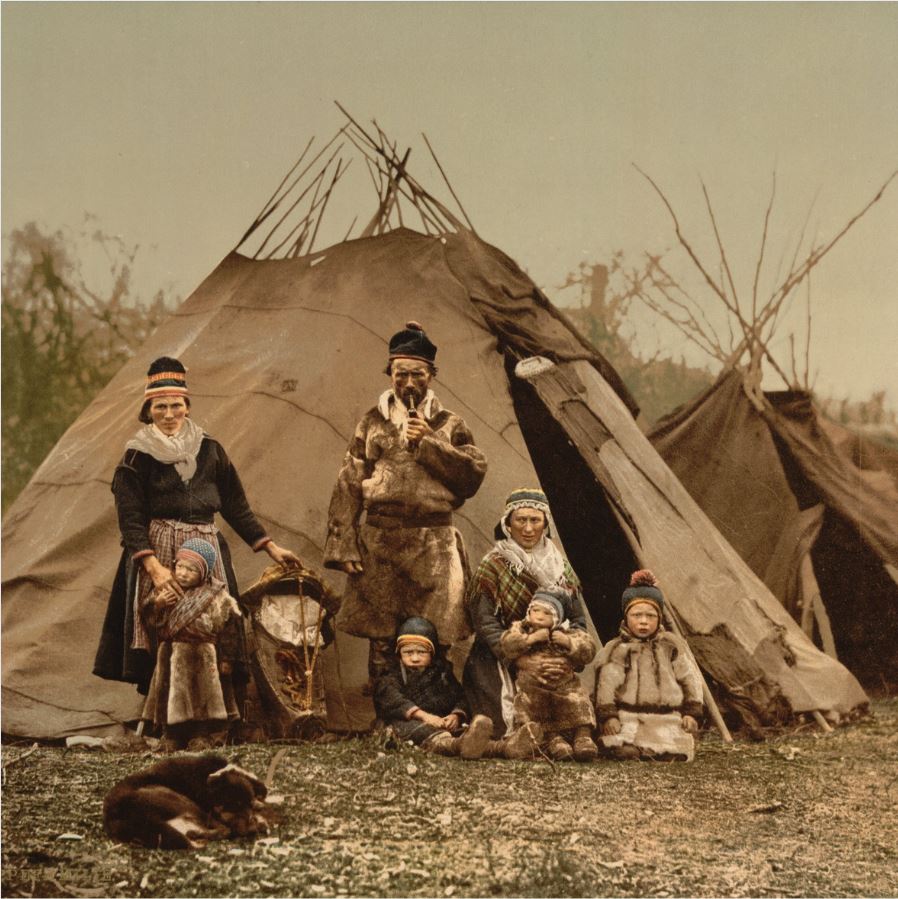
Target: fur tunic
649	685
497	596
186	685
560	706
412	557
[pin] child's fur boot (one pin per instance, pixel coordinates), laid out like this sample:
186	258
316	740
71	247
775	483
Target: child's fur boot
559	749
470	745
585	749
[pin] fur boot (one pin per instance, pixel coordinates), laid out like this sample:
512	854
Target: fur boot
559	749
585	749
522	744
470	745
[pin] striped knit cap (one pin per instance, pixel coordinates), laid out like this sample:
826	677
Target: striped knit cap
166	377
200	552
643	586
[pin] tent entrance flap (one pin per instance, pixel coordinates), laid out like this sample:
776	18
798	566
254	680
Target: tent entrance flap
593	540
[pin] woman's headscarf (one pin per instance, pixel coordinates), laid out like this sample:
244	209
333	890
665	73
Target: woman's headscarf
544	562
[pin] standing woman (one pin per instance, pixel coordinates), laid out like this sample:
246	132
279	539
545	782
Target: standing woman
523	560
168	486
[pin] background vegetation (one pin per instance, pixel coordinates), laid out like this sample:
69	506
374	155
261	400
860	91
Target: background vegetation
63	337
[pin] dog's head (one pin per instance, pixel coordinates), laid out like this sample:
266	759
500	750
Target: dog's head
236	797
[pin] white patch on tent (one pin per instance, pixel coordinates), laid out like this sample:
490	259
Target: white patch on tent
532	366
316	261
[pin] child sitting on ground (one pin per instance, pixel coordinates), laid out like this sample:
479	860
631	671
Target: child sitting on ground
552	696
649	691
186	699
420	698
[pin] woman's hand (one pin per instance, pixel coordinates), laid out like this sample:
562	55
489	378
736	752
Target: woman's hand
352	567
553	670
452	722
560	638
611	727
690	725
161	576
282	556
540	636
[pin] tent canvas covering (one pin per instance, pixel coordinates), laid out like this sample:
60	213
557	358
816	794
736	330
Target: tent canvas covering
285	352
798	510
284	356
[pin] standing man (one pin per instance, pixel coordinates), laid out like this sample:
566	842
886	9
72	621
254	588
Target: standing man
409	464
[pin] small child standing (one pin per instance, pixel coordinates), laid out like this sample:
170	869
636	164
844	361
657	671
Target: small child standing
186	699
547	653
422	700
649	691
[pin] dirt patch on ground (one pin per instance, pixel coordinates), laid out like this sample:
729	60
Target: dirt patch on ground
804	814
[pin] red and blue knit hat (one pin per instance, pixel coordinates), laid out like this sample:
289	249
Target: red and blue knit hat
166	377
200	552
644	587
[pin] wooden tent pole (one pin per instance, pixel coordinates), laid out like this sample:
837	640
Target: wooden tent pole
670	614
710	701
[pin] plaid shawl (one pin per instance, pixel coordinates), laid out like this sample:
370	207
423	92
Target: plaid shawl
510	591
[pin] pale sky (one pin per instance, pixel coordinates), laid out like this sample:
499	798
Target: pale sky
173	122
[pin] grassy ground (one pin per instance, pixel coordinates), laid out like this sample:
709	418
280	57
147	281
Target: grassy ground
803	814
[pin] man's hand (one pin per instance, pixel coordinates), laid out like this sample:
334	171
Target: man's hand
690	725
352	567
417	428
611	727
160	575
282	556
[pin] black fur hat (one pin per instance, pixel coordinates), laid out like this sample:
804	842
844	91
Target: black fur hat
412	343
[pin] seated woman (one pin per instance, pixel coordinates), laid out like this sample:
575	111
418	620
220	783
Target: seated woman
523	560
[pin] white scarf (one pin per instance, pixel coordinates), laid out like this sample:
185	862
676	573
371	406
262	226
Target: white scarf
393	409
180	450
544	562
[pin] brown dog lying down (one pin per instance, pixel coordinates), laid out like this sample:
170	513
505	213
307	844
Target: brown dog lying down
181	803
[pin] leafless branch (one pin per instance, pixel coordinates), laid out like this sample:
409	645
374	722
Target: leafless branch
754	287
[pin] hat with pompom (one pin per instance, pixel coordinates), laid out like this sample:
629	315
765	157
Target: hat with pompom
201	552
643	586
412	343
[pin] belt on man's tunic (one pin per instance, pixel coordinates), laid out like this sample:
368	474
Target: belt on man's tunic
388	522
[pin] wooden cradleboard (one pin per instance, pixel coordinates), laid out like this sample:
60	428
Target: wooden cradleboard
288	620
